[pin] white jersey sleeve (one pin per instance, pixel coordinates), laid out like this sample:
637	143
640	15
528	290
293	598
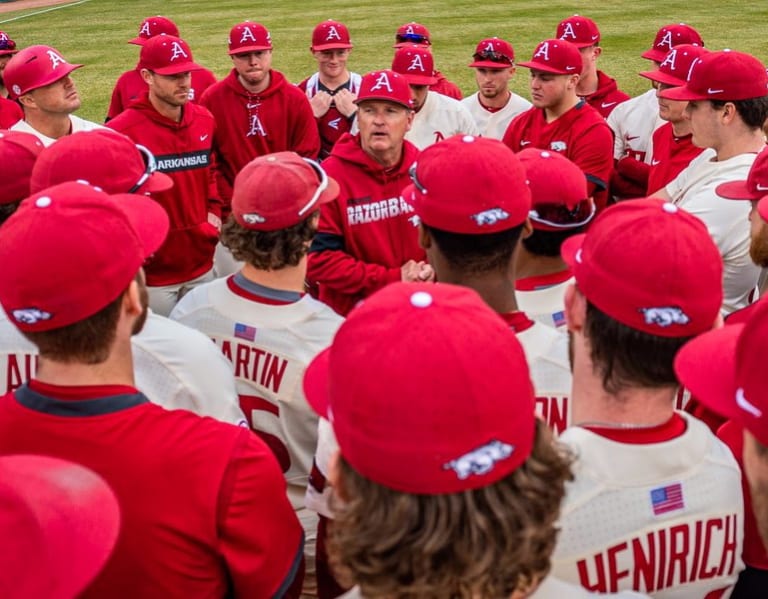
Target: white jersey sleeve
439	118
633	123
663	518
494	124
78	124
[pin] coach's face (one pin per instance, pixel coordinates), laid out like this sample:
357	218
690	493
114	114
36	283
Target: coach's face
383	126
59	97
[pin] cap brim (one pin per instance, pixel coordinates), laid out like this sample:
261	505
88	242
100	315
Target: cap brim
411	45
317	385
138	41
662	78
547	68
157	182
489	64
383	98
419	79
653	54
682	93
53	77
178	68
322	47
246	49
7	52
148	218
570	248
736	190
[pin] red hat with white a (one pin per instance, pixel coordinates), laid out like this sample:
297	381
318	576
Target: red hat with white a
249	37
59	523
415	64
755	186
670	36
18	153
7	45
446	406
493	53
385	85
103	157
167	55
725	370
559	195
152	26
556	56
650	265
70	250
725	75
674	67
280	190
580	31
412	33
330	35
34	67
471	185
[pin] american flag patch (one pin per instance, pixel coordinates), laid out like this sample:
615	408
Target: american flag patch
243	331
559	318
667	499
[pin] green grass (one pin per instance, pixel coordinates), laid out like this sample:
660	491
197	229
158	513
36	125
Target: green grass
95	33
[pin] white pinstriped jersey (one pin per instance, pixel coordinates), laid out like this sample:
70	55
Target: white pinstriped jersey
175	367
663	518
439	118
270	347
633	123
494	124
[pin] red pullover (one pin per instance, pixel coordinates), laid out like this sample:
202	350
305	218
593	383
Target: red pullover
607	96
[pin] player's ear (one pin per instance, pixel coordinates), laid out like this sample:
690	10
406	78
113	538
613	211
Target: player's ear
146	75
575	308
425	239
335	478
527	229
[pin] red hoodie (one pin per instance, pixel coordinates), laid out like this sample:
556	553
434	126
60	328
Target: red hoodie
183	152
250	125
445	87
607	96
368	233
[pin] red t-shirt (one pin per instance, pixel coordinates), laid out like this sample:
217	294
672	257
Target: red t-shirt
670	156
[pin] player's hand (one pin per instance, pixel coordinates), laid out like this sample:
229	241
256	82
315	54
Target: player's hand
345	102
426	273
214	220
409	272
320	103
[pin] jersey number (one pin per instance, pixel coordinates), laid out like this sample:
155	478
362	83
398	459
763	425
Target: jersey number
256	409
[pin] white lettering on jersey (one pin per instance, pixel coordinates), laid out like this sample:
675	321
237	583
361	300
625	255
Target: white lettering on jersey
568	32
178	51
670	60
416	64
19	368
543	51
255	364
666	41
382	81
247	35
481	460
145	29
665	316
361	214
332	34
553	411
56	59
490	217
256	127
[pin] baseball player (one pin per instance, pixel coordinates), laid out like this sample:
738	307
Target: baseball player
418	34
10	112
180	135
437	116
560	208
202	501
733	87
494	105
597	88
130	85
437	476
39	78
368	238
333	88
174	366
562	122
659	494
634	121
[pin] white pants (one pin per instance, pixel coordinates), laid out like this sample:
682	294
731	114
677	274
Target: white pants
163	299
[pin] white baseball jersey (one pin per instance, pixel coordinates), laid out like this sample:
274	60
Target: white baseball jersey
494	124
543	298
727	220
78	124
270	346
439	118
633	123
662	518
175	367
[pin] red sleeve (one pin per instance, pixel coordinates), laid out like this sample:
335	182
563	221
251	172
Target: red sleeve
215	203
512	134
260	538
116	103
305	137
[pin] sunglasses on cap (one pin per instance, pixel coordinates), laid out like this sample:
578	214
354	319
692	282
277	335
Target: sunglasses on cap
559	216
151	167
416	183
320	188
413	38
7	44
493	56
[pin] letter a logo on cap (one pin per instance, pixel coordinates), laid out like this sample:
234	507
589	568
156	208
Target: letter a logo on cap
178	51
568	32
145	29
332	34
666	41
247	35
56	60
543	51
670	60
416	64
490	48
409	30
382	81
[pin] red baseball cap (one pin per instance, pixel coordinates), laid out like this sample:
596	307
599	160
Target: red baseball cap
18	153
471	185
34	67
330	35
280	190
167	55
556	56
650	265
70	250
412	33
725	370
724	75
385	85
415	64
755	186
7	45
102	157
446	406
670	36
675	66
152	26
580	31
59	522
493	53
559	195
249	37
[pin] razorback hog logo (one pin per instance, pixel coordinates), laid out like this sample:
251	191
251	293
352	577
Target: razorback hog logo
558	146
665	316
254	219
30	315
481	460
490	217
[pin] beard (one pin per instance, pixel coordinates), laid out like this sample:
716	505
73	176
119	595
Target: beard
758	249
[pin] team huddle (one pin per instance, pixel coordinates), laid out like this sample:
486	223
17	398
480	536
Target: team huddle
363	337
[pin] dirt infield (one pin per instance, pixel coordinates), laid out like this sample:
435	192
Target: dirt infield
25	4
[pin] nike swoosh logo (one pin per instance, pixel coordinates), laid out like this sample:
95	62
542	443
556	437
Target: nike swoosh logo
570	68
714	91
628	137
608	104
249	106
745	405
594	37
524	143
761	187
203	137
655	162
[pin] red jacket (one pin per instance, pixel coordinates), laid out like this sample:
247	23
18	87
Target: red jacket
250	125
130	86
445	87
368	233
607	96
10	113
670	156
183	151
